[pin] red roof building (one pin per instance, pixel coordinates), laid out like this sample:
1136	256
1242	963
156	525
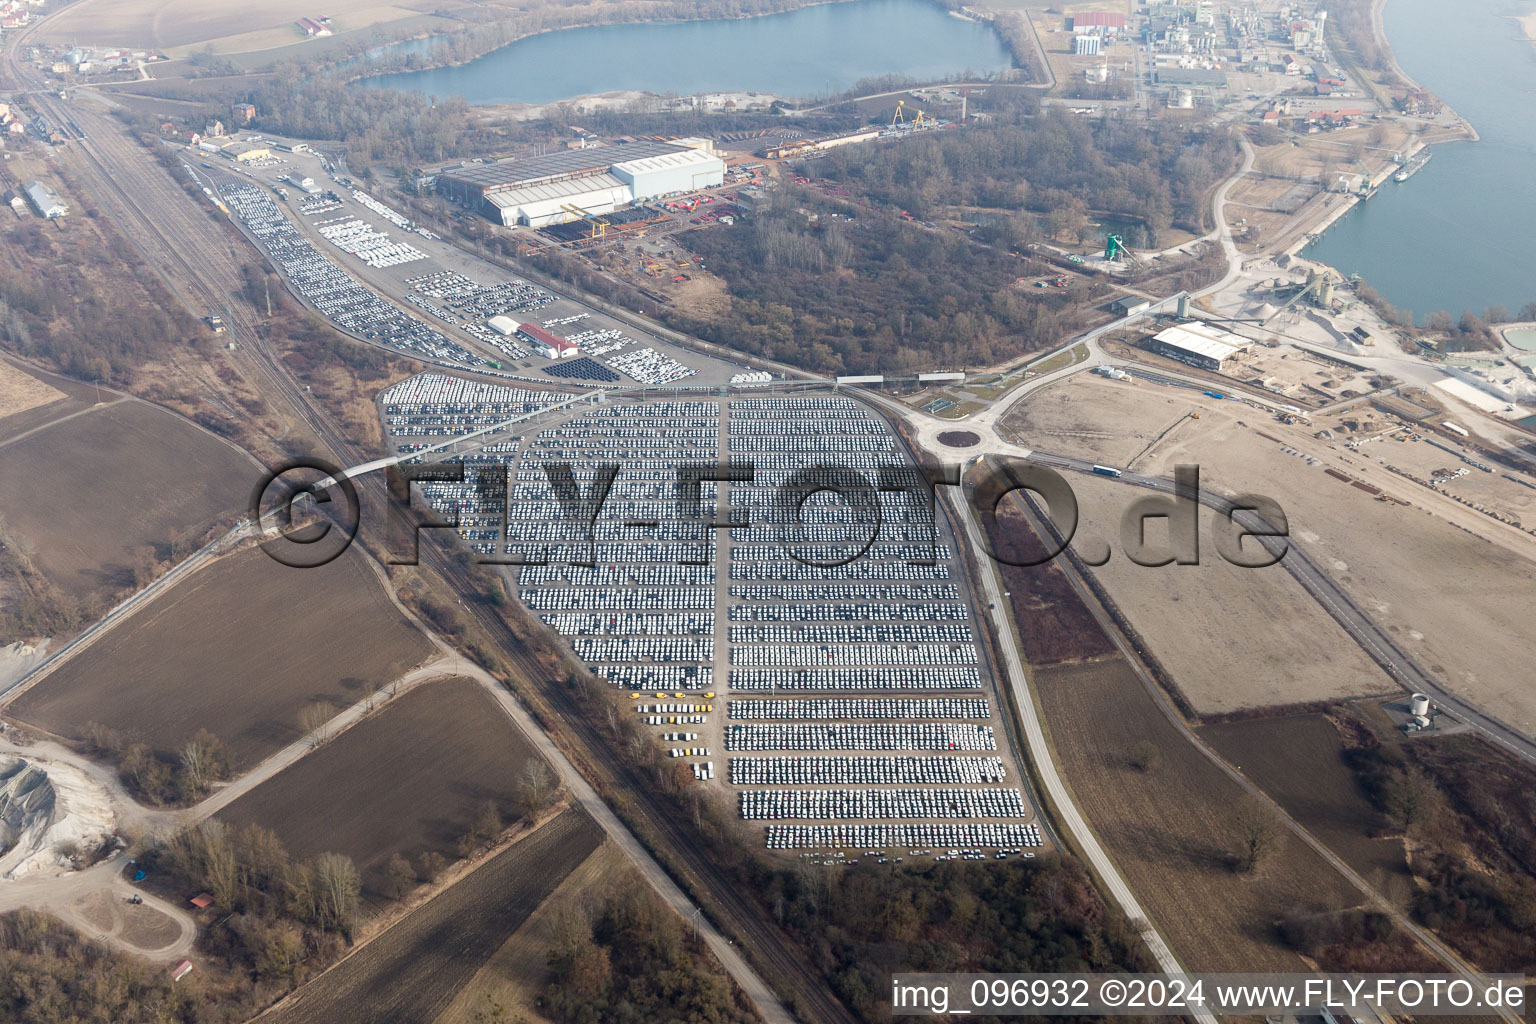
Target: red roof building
550	346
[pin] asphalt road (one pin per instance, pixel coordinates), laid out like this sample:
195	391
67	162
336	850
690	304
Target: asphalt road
1067	814
1372	637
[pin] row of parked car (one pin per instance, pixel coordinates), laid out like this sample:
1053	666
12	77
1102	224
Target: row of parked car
789	655
860	736
617	599
858	611
978	835
940	677
811	804
852	633
844	708
347	303
908	770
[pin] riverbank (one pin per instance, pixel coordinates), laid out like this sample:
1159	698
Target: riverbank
1379	32
1447	126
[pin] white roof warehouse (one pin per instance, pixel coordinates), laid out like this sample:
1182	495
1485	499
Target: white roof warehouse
45	201
1198	344
549	189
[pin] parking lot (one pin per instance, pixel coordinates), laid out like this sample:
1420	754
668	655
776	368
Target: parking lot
455	293
854	689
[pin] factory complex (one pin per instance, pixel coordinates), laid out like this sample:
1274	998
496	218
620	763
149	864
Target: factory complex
588	182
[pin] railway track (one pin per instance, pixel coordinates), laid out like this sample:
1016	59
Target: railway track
182	245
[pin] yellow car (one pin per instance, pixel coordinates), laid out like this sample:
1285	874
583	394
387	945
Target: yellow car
679	695
634	696
710	694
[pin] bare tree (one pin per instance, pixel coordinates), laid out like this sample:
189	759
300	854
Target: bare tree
221	869
194	765
204	759
399	877
314	722
537	787
337	886
1258	833
487	824
1410	799
429	865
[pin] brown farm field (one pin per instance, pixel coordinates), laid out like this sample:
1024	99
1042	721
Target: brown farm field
85	492
1053	623
407	779
173	24
1171	830
411	973
21	391
1298	761
515	975
238	648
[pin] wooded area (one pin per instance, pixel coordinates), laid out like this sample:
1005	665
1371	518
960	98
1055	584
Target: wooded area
866	922
635	962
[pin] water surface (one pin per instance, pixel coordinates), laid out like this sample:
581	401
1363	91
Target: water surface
813	51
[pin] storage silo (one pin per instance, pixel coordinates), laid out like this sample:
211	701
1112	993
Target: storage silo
1418	704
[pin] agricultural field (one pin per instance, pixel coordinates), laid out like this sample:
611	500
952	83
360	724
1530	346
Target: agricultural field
238	648
1452	585
21	392
519	970
1298	761
83	494
172	25
412	971
1173	829
1054	624
1231	638
407	779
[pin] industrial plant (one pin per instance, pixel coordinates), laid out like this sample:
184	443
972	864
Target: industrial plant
582	183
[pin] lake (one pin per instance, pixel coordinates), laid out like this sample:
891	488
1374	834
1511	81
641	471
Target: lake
1456	235
810	52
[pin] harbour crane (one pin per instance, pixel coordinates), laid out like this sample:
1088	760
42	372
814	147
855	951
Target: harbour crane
599	225
921	118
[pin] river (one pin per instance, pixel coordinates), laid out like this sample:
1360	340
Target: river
1459	234
809	52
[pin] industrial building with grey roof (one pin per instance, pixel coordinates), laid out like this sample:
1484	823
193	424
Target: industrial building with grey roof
560	187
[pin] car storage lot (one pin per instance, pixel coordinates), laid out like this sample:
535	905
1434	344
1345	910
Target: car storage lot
636	356
863	676
386	785
238	648
85	492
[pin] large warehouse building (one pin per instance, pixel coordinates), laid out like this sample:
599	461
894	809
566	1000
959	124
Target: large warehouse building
1198	344
559	187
